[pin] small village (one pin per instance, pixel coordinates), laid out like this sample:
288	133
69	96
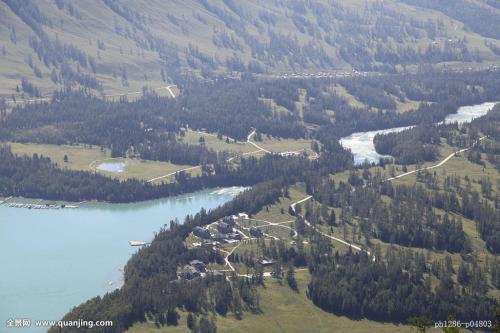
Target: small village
225	236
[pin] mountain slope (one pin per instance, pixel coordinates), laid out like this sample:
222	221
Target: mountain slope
121	46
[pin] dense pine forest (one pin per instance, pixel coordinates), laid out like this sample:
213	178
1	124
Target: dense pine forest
204	94
38	177
150	127
397	222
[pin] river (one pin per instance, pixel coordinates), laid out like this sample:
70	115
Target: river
361	143
53	260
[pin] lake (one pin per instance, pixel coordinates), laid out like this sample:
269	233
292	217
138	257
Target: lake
111	167
54	259
361	143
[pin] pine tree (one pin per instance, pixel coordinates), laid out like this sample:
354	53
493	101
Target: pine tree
290	279
190	321
420	323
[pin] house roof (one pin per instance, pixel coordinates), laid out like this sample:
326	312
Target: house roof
188	269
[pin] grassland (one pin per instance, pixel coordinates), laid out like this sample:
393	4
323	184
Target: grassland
407	105
458	165
283	310
351	99
273	144
279	145
88	158
272	105
122	44
211	141
145	170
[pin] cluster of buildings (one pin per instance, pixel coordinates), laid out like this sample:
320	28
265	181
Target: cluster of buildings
256	232
195	269
225	232
333	74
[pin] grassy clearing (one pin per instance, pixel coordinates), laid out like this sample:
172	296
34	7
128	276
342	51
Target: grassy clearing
273	144
87	158
146	170
278	145
79	156
300	104
460	166
351	99
271	104
273	213
407	105
286	311
211	141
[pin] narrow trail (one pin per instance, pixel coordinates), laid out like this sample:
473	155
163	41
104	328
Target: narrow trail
436	165
247	238
249	140
49	97
276	224
441	163
173	173
168	88
324	234
260	149
226	258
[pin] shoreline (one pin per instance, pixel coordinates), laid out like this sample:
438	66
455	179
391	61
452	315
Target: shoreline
45	204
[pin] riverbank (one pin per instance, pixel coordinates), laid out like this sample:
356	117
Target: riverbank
361	143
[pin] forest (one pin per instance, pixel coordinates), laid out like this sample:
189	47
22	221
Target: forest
150	124
419	216
154	268
410	146
38	177
389	285
368	247
394	288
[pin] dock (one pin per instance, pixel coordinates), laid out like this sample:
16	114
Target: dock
137	243
33	206
36	205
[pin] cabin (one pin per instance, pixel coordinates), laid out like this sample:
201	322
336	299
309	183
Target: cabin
229	220
256	232
220	237
234	235
217	275
243	216
201	232
199	265
287	154
266	262
188	272
224	228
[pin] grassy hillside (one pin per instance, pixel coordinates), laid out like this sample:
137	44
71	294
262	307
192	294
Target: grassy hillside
283	311
126	45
